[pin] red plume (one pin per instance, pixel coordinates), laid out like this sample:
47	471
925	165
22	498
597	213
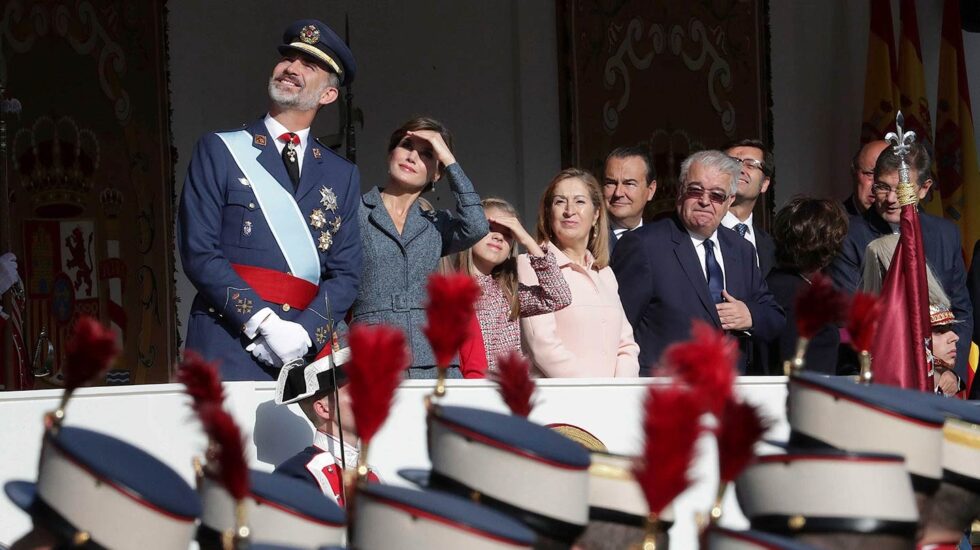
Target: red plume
201	379
671	426
863	320
819	305
451	301
706	363
229	449
740	427
90	351
516	386
378	359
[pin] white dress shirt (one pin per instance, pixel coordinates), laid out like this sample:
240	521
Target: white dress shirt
620	230
699	248
276	129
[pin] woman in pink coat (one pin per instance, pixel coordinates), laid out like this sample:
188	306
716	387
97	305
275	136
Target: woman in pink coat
591	337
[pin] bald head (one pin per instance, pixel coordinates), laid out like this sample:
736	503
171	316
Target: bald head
863	172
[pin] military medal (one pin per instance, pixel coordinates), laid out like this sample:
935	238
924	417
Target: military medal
326	239
247	228
335	225
316	153
328	199
317	219
291	151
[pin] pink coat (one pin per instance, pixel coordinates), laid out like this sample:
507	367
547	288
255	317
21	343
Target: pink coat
589	338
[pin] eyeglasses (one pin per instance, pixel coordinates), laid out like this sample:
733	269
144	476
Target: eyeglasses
883	189
696	192
752	163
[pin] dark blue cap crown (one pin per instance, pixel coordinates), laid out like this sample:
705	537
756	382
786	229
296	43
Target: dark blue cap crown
315	39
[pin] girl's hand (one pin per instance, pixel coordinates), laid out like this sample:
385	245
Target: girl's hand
439	147
513	225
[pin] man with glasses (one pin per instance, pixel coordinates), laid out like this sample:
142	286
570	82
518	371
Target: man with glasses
940	238
686	267
863	175
753	181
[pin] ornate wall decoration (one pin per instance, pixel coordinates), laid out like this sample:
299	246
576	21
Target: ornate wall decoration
91	174
677	76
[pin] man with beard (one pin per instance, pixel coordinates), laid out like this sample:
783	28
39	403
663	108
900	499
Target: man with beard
267	228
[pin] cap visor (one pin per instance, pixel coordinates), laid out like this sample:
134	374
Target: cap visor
415	476
21	493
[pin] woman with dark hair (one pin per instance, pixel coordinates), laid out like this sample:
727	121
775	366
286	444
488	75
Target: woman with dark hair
590	337
808	234
403	242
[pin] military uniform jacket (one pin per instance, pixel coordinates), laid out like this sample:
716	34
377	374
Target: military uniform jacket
320	466
220	223
397	266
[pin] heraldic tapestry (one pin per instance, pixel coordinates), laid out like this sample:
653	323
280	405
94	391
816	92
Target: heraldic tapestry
90	182
675	76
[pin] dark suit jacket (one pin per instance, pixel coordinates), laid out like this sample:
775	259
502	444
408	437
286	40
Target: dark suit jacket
612	239
850	206
765	248
941	239
821	353
663	288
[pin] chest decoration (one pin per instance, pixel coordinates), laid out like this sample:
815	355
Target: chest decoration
318	219
328	199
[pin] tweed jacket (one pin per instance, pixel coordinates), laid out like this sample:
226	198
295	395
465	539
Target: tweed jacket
397	266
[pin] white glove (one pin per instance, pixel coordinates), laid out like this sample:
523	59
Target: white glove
261	350
8	271
286	339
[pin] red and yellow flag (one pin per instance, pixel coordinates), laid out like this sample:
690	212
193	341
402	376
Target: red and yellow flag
880	88
912	92
956	153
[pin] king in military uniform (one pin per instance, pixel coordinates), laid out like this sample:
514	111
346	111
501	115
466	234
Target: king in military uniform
267	227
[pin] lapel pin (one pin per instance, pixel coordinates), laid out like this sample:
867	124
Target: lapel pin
260	140
316	153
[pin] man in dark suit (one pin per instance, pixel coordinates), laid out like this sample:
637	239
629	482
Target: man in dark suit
753	182
267	225
686	267
940	237
863	175
627	186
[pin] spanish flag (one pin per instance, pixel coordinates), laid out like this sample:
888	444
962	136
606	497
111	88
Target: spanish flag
912	92
956	154
880	89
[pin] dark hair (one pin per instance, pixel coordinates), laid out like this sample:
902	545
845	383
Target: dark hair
768	160
952	507
635	151
599	237
417	124
808	233
918	160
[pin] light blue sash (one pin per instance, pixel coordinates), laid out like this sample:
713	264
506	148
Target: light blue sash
279	208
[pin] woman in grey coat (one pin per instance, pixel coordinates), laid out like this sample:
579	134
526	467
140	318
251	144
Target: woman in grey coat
403	242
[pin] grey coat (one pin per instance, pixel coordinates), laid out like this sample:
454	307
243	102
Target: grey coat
397	267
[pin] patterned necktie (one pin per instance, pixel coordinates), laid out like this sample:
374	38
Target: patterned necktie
742	229
716	280
290	158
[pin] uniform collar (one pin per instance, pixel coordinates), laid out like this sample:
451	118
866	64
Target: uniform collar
328	443
276	129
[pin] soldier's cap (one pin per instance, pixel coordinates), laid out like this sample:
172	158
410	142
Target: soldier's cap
315	39
399	517
828	491
296	383
99	492
614	494
510	464
280	511
720	538
838	412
